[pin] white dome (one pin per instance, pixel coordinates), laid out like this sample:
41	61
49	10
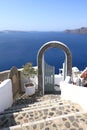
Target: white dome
75	69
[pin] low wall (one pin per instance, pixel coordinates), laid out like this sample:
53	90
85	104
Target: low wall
6	97
58	79
77	94
4	75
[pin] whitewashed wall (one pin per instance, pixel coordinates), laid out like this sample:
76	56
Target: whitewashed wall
77	94
6	96
58	79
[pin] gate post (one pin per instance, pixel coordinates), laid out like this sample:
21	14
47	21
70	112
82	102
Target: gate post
14	76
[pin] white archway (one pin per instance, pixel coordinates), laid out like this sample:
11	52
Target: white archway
41	51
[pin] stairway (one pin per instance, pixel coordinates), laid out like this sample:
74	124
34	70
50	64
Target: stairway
49	112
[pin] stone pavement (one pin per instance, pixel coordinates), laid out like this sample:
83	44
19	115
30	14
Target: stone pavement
49	112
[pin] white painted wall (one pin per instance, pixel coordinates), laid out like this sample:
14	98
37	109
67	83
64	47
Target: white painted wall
6	96
58	79
77	94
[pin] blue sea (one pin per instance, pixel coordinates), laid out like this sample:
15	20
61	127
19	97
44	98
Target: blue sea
18	48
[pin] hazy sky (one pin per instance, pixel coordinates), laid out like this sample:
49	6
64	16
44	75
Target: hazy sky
42	15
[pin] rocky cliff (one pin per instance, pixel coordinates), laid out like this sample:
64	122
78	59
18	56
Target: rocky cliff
82	30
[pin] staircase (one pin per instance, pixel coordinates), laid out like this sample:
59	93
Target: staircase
49	112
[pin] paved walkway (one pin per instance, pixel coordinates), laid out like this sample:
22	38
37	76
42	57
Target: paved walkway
49	112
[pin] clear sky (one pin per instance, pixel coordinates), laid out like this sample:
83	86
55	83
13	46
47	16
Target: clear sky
42	15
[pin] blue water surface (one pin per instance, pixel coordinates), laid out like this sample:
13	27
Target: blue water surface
18	48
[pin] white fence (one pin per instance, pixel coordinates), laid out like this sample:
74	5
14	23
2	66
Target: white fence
6	96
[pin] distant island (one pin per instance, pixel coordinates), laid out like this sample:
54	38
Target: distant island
82	30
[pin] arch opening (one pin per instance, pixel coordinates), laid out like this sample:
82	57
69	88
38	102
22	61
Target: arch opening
40	58
54	57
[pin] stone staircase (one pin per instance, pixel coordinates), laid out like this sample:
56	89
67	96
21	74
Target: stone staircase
49	112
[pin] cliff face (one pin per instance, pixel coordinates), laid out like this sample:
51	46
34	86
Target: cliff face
82	30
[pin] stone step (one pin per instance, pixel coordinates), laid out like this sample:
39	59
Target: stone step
30	116
42	101
74	121
36	105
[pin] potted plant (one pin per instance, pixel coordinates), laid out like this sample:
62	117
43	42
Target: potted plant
29	72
